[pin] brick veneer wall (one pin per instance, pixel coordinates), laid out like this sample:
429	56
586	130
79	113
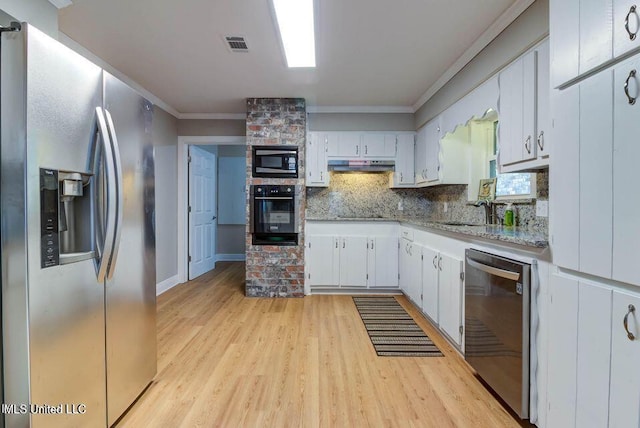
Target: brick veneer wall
276	271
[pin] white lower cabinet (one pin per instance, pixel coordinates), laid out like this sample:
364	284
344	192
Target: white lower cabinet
410	271
593	378
382	262
358	260
430	283
450	296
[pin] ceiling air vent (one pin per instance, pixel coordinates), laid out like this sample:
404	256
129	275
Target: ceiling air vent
236	43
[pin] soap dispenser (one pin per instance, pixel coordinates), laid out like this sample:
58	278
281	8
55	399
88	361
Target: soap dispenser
508	216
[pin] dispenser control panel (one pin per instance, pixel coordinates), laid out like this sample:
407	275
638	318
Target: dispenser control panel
49	206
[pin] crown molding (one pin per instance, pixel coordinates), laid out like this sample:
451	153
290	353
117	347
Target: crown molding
487	37
360	109
214	116
61	4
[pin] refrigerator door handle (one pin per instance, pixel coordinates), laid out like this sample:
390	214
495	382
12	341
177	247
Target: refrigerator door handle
109	234
119	193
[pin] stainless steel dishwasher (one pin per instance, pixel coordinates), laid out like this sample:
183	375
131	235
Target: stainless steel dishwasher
496	333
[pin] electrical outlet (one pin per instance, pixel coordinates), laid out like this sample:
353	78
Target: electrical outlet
542	208
446	206
400	206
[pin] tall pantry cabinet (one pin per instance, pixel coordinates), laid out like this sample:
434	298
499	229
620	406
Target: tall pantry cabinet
595	227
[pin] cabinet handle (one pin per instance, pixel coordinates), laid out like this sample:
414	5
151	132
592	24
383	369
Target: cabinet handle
321	176
366	149
632	35
630	335
357	148
344	243
440	263
632	100
435	266
541	141
401	178
410	248
527	144
336	243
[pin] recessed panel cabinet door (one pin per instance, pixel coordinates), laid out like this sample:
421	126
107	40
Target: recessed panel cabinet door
353	261
626	159
430	283
322	260
624	400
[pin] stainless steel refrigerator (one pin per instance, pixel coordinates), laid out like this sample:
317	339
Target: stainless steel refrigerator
77	235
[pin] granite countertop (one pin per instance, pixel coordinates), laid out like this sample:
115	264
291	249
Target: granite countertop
513	235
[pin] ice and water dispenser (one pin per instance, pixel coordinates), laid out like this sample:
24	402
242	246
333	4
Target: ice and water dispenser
66	217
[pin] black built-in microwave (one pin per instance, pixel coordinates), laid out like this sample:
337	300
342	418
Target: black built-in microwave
275	161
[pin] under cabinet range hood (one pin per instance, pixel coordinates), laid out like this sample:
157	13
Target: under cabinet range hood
360	165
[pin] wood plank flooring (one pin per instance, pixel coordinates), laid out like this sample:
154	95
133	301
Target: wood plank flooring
230	361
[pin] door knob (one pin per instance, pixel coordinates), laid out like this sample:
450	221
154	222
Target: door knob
214	217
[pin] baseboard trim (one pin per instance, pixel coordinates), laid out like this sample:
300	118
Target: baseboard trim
167	284
230	257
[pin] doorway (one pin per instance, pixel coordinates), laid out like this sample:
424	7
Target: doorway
212	185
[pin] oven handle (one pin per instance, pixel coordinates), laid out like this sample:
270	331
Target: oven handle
282	171
275	152
507	274
290	198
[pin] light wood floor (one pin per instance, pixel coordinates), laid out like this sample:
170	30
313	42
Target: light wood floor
227	360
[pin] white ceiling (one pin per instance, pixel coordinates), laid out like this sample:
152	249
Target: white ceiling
370	53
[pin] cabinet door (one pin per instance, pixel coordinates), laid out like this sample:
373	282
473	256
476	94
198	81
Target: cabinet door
404	266
564	36
433	151
344	145
353	261
511	115
450	297
322	260
594	335
564	178
382	263
626	155
563	348
543	101
415	287
624	400
626	22
596	174
430	283
529	106
405	167
596	33
316	166
379	146
421	156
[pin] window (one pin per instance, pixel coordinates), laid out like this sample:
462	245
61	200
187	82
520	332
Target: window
511	185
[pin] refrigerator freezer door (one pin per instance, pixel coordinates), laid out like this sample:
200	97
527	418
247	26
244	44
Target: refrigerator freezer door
66	302
131	289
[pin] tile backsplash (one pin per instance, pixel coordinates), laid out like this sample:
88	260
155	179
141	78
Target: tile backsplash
368	195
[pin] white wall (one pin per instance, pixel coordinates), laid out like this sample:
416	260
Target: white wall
361	122
40	13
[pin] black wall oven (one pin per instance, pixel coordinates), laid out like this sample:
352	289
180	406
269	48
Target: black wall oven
275	161
274	215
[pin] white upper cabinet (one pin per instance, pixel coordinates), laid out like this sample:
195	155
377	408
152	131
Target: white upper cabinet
316	167
524	112
405	167
379	146
589	34
349	145
427	162
344	145
421	156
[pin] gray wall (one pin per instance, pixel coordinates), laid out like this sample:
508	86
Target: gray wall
361	121
529	28
165	138
207	127
40	13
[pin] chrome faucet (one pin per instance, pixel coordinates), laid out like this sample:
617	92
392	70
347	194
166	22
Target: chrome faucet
489	210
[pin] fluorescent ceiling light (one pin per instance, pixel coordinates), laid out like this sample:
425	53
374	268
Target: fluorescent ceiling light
295	20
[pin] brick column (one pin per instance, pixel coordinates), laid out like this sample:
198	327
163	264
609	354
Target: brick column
276	271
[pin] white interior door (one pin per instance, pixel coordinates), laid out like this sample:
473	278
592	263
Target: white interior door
202	211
